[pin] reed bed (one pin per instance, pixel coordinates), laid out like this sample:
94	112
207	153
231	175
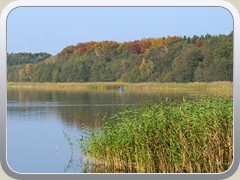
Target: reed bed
216	88
194	136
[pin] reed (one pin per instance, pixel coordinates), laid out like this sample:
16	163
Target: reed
194	136
216	88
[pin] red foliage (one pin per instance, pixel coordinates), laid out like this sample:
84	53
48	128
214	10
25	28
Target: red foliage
145	44
134	47
138	47
81	47
198	43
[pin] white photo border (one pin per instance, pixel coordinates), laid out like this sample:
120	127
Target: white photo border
122	3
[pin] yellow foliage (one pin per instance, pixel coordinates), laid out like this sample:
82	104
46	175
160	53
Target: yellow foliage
157	42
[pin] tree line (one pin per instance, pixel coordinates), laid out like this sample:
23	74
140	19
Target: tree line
24	58
166	59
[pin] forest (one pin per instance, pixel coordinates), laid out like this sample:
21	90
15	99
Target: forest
205	58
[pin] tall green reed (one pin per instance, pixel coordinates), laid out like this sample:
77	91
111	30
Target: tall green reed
168	137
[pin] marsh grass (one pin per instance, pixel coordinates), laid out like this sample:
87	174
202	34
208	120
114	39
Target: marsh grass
194	136
215	88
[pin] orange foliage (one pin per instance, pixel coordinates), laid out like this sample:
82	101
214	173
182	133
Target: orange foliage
145	44
171	39
68	50
81	47
91	45
136	47
106	46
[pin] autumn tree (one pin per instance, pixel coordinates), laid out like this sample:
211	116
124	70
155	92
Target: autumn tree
81	47
198	43
68	50
134	47
156	43
28	71
171	59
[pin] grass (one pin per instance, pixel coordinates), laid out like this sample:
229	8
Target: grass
194	136
216	88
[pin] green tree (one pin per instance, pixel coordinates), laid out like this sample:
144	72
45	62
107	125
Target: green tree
172	59
22	75
184	65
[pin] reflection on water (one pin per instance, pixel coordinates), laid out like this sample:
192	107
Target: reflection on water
38	119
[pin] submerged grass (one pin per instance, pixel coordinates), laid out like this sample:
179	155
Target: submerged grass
194	136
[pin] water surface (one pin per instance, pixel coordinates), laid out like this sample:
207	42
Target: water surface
38	119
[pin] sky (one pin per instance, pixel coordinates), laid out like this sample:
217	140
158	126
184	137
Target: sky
51	29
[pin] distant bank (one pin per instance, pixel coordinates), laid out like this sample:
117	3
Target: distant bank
215	88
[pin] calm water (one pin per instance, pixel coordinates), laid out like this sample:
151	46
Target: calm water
37	121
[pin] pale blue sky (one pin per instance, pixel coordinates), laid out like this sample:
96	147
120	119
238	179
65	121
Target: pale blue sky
50	29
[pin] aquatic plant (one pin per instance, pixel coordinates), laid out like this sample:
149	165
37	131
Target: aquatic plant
194	136
214	88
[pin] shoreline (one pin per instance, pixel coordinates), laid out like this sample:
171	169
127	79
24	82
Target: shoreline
218	88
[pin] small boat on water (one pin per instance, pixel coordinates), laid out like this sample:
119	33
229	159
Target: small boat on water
121	89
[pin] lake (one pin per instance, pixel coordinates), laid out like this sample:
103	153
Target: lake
39	123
